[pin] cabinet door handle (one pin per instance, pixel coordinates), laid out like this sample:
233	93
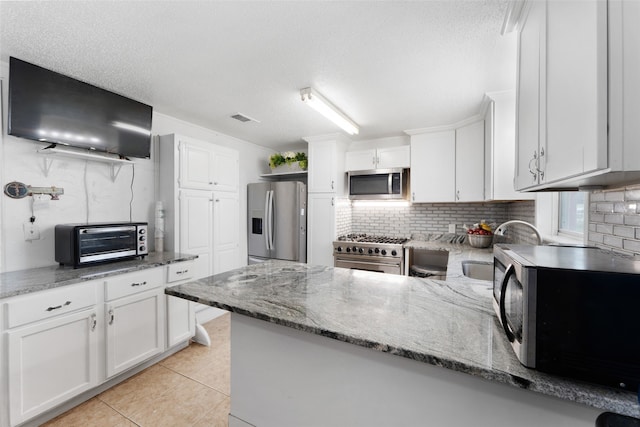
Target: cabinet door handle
458	195
217	200
210	182
138	284
56	307
94	322
332	184
333	201
111	316
413	196
215	183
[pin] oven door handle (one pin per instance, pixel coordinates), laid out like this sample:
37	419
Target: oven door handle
503	303
99	230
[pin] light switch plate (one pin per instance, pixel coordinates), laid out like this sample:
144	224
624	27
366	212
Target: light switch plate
452	228
31	231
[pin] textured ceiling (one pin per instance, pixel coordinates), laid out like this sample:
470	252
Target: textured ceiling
389	65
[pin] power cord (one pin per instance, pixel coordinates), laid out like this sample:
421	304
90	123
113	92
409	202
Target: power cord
133	174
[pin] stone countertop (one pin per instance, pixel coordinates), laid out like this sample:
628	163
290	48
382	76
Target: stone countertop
444	323
39	279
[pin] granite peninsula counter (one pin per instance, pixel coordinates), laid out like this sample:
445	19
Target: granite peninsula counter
449	324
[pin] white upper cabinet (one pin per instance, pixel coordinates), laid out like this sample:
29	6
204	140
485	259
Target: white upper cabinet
448	165
380	158
205	166
499	147
470	163
326	171
573	94
433	177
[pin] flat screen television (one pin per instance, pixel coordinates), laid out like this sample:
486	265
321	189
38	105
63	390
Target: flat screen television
53	108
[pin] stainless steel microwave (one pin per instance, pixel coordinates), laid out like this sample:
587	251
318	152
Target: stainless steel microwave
85	244
378	184
571	311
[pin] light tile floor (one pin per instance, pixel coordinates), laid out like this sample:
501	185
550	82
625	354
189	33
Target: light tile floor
189	388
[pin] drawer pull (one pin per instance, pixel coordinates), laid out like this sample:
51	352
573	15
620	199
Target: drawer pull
182	272
59	306
139	284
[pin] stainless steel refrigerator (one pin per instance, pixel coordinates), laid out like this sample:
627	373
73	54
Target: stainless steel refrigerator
277	221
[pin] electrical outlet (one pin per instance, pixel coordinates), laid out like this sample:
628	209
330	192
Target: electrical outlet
31	231
452	228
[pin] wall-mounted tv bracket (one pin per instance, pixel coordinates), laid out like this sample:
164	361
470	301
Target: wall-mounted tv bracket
19	190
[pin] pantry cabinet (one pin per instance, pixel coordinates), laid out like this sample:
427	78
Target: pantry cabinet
575	93
52	341
199	218
321	228
379	158
326	185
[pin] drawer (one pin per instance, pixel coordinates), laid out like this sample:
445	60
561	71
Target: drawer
179	271
132	283
51	303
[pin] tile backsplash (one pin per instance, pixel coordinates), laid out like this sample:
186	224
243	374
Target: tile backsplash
424	218
614	219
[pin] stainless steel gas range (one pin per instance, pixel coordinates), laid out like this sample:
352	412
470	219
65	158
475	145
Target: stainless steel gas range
372	253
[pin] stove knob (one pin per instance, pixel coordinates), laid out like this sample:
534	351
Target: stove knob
370	251
355	249
361	250
383	252
339	249
348	249
377	251
394	253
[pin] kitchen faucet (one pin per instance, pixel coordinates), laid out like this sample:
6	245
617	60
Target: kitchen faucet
500	232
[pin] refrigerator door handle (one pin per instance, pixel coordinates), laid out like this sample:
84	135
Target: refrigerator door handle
266	220
271	220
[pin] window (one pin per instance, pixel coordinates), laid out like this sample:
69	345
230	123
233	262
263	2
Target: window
571	206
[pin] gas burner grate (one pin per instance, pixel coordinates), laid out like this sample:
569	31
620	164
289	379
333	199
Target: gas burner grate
364	238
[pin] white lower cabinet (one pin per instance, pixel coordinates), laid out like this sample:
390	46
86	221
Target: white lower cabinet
135	330
181	317
52	342
135	321
50	362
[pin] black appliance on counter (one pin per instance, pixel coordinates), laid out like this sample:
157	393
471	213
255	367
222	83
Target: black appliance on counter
86	244
571	311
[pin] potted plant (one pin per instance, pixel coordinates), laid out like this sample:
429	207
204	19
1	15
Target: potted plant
288	161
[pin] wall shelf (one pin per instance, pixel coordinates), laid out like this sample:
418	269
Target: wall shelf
284	175
55	152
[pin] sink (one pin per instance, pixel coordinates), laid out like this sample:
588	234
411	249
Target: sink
479	270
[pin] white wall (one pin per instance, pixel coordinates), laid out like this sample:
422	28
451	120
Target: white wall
89	192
